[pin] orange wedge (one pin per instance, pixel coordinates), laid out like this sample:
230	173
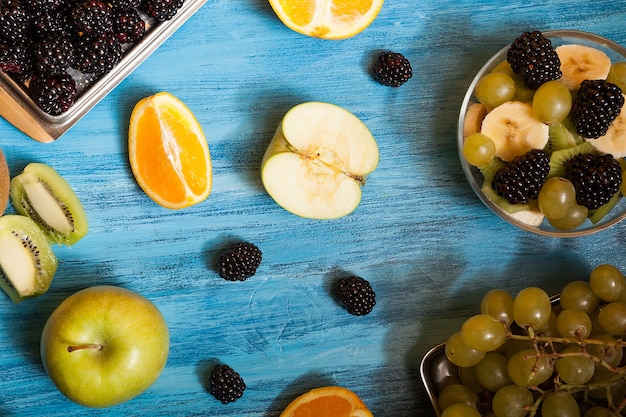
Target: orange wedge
168	153
327	19
329	401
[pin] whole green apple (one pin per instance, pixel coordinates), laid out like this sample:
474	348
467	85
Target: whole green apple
104	345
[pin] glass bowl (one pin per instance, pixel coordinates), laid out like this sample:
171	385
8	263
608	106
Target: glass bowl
475	178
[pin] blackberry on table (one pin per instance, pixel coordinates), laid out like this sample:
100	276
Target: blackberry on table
128	26
596	105
239	262
98	55
532	56
225	384
161	10
92	17
53	94
14	22
53	55
392	69
356	295
522	178
596	178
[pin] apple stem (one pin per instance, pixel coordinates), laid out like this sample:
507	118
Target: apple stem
90	346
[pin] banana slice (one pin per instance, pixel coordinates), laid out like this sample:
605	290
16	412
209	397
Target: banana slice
514	129
614	141
580	62
474	119
529	217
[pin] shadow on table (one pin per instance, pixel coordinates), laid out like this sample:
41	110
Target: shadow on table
298	387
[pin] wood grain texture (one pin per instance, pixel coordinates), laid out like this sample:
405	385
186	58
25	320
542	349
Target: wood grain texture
422	238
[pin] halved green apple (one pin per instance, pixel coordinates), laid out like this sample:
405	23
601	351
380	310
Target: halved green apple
318	160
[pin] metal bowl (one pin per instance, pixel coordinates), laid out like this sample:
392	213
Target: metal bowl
17	107
475	178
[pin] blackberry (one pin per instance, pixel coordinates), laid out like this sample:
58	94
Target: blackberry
98	55
392	69
596	178
161	10
54	23
356	295
14	22
53	55
15	60
53	94
124	4
239	262
532	56
43	6
225	384
128	26
522	178
91	17
596	105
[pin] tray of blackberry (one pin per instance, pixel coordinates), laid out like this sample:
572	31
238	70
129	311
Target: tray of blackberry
58	59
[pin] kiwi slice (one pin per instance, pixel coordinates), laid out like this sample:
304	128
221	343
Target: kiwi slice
560	137
596	215
559	158
40	193
27	263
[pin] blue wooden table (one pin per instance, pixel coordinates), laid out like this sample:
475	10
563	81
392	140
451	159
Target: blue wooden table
420	236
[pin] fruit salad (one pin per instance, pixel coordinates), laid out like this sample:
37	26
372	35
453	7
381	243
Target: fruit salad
545	131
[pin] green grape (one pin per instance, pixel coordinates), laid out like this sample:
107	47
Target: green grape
498	304
578	295
460	410
609	353
575	370
483	333
559	404
531	308
459	353
478	149
492	371
617	75
612	318
526	369
574	218
467	377
607	282
513	346
511	401
494	89
549	329
598	411
556	197
573	323
552	102
601	375
457	393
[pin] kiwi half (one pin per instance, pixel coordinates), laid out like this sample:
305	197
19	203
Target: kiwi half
27	263
40	193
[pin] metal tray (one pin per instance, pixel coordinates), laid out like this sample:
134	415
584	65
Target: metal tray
19	110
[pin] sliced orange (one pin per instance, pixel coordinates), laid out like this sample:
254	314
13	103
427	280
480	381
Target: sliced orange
168	152
327	19
329	401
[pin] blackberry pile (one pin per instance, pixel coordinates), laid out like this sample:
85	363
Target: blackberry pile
597	104
239	262
596	178
392	69
225	384
356	295
532	56
42	42
522	178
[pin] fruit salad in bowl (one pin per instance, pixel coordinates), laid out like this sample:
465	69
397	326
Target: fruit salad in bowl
542	134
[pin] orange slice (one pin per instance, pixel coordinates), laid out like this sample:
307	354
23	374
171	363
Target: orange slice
327	19
329	401
168	153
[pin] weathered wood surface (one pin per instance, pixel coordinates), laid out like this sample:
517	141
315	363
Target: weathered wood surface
420	235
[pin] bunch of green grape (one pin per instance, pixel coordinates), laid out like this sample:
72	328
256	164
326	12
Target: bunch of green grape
532	355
